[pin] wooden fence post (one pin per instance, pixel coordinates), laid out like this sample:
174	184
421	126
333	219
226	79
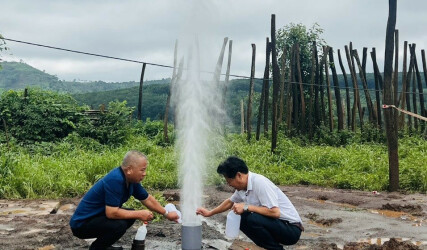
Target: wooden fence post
356	102
328	89
282	85
390	114
251	93
347	91
264	91
301	91
337	90
141	82
311	100
420	87
267	87
276	79
365	88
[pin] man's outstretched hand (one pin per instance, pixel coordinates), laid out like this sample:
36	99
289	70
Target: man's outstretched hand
203	212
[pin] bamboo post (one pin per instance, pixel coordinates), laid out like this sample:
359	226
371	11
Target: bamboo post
301	91
377	94
365	88
251	94
391	114
141	82
218	67
263	91
276	79
227	74
420	87
289	91
356	101
337	90
364	59
311	100
316	88
423	56
321	88
347	90
408	87
294	88
414	99
328	89
242	118
267	86
402	98
396	67
282	85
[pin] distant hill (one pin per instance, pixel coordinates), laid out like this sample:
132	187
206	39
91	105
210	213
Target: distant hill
19	75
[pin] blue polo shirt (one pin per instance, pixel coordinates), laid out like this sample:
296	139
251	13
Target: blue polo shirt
110	191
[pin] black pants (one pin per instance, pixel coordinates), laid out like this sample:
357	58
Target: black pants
268	232
106	231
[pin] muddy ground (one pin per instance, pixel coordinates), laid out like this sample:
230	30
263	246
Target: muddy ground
333	219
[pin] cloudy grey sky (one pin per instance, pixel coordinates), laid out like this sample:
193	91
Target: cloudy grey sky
146	31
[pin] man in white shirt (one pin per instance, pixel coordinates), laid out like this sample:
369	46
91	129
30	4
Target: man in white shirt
268	217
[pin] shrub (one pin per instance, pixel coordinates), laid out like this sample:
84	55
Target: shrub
110	127
36	115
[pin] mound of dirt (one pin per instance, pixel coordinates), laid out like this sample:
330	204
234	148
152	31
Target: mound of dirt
392	244
325	222
416	210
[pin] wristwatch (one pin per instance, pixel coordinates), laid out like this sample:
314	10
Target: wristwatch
166	213
245	207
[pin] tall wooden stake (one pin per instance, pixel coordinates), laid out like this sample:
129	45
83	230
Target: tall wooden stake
390	114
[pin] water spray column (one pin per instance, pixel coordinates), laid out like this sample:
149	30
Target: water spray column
192	128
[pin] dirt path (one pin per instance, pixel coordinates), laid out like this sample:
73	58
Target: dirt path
333	218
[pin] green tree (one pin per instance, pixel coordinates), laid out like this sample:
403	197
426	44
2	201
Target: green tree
298	33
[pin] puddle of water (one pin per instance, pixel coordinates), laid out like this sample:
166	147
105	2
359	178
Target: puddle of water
18	211
6	228
346	205
395	214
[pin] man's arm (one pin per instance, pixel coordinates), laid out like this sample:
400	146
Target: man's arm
224	206
152	204
273	212
120	213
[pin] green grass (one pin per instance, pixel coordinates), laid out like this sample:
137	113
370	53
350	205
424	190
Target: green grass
70	167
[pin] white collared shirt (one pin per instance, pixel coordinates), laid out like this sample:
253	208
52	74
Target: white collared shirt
262	192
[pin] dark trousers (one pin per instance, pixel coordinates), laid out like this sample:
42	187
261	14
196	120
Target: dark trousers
106	231
268	232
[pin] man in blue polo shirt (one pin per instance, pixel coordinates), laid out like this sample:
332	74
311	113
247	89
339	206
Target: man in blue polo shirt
268	217
100	214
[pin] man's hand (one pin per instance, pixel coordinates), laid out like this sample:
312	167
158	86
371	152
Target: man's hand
204	212
145	215
172	216
238	208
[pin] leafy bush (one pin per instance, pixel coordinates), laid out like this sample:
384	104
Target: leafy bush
37	115
111	127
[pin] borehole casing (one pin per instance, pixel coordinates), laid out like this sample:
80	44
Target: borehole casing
191	236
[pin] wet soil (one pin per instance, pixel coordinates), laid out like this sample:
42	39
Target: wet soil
333	219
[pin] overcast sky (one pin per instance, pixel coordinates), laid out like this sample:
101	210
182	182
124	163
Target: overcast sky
146	30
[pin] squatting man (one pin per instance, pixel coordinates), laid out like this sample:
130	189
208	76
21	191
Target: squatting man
100	214
268	217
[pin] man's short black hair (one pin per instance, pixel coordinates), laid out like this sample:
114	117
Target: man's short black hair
231	166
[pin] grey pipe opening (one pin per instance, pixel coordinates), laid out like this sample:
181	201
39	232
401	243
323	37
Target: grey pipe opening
191	237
